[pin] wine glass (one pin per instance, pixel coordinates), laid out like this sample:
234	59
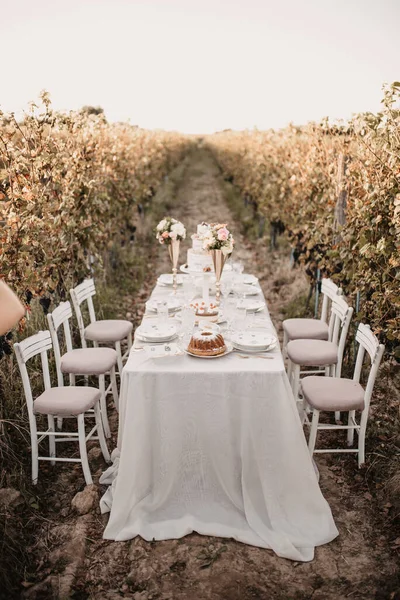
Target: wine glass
162	313
238	267
188	316
187	289
225	288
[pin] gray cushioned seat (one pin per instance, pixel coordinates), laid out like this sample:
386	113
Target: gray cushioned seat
110	330
306	329
69	400
88	361
333	393
312	353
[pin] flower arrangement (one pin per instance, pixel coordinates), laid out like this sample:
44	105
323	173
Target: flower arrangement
218	237
170	229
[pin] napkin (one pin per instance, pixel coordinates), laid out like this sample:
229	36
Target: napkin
162	350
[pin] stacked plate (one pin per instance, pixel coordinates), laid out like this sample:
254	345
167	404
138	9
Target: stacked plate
156	332
254	340
172	302
166	279
249	279
246	289
251	305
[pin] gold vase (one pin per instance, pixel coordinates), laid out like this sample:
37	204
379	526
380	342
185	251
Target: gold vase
173	249
218	259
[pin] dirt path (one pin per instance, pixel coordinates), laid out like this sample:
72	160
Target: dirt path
78	563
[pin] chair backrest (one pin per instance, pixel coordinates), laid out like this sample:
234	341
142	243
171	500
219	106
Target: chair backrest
339	327
329	291
36	344
60	317
368	342
84	291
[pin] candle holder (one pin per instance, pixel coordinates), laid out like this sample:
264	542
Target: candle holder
173	249
218	259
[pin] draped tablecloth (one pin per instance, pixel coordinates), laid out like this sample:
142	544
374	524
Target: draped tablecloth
217	447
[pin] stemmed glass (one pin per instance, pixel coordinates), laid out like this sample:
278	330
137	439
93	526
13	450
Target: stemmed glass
187	289
238	267
188	317
226	288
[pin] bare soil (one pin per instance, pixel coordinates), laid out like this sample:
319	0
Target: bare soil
71	560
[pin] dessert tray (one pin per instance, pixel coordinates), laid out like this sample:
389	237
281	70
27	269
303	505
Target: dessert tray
229	349
185	269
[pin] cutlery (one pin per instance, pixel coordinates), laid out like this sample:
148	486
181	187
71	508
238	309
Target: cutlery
255	356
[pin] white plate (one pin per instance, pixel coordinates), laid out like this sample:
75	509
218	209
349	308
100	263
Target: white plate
166	279
252	350
173	303
249	279
246	290
229	349
253	338
251	305
146	340
154	332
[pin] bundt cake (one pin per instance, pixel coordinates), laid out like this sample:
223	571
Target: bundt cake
207	343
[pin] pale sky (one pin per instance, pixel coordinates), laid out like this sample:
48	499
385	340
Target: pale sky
201	66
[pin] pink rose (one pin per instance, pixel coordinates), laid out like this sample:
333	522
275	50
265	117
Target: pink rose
165	235
223	234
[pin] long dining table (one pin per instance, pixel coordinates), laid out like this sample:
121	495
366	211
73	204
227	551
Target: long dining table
214	447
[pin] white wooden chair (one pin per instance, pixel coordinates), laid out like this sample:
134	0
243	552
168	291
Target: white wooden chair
346	395
57	402
320	353
313	329
83	361
106	331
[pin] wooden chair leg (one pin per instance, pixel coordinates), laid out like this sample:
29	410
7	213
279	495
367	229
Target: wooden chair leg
52	439
296	382
350	432
100	433
103	406
289	371
34	451
114	388
361	437
82	449
130	341
119	357
285	342
313	432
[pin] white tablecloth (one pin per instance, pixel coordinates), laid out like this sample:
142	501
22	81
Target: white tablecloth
217	447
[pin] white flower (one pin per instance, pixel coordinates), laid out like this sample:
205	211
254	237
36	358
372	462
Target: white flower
161	225
227	248
178	229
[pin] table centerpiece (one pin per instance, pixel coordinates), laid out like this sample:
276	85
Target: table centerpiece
219	242
171	232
